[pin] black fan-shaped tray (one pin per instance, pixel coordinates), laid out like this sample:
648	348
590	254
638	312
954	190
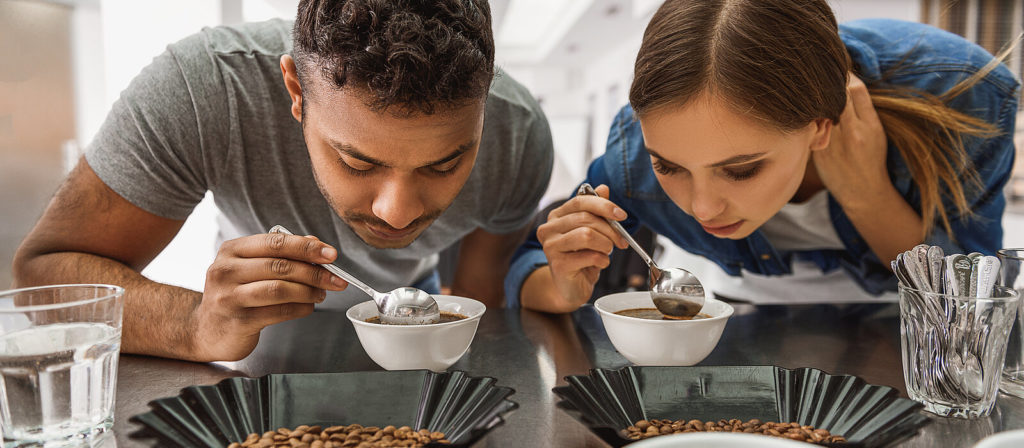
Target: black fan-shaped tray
463	407
867	415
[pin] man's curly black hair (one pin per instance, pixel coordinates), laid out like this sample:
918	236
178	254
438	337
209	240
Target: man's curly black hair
415	55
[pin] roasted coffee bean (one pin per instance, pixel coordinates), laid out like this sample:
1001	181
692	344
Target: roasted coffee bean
644	429
351	436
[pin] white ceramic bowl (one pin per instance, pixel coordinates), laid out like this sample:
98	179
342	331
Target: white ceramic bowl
406	347
647	342
718	440
1008	439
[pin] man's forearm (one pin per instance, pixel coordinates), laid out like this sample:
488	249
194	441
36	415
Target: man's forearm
158	318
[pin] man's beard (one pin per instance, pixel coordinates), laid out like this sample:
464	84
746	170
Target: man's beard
352	219
358	219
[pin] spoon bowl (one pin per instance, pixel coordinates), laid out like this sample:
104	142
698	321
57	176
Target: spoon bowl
400	306
408	305
676	293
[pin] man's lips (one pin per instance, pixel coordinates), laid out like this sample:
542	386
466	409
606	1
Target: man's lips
391	234
723	230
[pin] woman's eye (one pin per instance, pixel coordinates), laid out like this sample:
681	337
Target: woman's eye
663	168
742	173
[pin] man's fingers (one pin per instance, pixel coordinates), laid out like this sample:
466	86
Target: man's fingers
269	315
273	292
279	245
248	270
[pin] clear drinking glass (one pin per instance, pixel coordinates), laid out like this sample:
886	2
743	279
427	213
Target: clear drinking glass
58	363
953	348
1013	370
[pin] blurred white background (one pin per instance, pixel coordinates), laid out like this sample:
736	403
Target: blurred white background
65	62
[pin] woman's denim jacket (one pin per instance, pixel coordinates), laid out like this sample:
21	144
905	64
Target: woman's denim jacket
908	54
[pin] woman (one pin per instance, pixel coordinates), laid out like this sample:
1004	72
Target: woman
763	136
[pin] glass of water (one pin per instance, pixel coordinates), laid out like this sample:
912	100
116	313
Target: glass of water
1010	276
953	348
58	363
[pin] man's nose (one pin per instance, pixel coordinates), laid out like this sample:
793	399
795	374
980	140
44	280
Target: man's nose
398	203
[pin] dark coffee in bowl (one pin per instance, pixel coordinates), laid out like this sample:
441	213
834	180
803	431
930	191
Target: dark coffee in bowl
445	317
654	314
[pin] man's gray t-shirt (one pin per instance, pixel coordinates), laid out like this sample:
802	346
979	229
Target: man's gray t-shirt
212	113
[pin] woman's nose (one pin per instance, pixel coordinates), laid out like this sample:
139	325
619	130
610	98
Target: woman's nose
706	203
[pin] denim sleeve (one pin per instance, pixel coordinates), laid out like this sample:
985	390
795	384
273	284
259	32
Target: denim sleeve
530	256
993	160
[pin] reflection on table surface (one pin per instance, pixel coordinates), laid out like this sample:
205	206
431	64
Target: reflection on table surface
532	352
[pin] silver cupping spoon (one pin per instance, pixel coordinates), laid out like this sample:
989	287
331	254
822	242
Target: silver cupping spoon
401	306
675	292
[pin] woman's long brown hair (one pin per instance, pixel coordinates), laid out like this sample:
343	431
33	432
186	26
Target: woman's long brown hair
783	62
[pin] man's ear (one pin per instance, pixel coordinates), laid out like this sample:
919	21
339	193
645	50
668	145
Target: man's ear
291	82
822	134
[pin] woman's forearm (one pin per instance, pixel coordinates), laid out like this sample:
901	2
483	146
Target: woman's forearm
886	222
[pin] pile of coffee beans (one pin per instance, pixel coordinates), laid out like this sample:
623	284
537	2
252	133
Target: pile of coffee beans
351	436
644	429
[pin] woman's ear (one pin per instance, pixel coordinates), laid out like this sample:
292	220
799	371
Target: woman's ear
291	82
822	134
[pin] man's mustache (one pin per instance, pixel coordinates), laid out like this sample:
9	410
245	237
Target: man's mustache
374	221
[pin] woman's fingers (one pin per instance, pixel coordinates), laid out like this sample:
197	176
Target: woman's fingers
594	227
861	99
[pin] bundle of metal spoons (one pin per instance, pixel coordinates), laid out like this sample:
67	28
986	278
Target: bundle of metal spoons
955	370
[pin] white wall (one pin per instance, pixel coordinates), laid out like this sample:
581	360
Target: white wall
847	10
112	40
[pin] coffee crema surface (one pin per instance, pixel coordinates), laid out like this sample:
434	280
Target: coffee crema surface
654	314
446	317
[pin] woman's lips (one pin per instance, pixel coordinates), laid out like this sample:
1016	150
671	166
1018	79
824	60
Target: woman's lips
723	230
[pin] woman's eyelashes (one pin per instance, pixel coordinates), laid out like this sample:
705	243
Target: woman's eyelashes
665	168
742	172
739	173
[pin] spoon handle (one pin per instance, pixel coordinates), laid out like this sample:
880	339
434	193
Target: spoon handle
587	189
351	279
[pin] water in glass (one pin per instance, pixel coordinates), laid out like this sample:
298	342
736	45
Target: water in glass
60	377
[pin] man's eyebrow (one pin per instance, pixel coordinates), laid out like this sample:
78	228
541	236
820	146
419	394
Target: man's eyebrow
730	161
351	151
354	153
455	154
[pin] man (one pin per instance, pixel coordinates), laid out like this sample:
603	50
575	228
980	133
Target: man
385	133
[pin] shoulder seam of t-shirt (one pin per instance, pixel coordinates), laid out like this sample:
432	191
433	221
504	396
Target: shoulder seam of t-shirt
208	176
516	95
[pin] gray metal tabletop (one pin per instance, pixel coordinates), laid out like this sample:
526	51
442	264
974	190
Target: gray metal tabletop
532	352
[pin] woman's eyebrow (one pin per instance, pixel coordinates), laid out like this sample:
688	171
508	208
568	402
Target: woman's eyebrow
730	161
734	160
